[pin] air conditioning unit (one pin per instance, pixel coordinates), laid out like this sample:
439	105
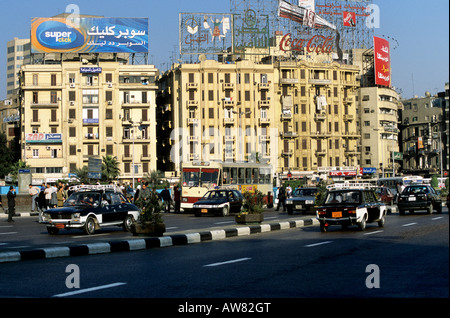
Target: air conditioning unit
72	85
72	103
109	102
110	85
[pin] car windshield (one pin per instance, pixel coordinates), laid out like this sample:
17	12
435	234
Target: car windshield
416	190
343	197
215	195
305	192
83	199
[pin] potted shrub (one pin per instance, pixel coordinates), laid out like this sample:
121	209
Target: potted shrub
252	208
150	221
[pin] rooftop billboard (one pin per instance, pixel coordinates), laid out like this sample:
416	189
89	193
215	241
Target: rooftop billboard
89	35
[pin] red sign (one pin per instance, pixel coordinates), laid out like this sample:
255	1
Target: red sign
349	19
317	43
382	51
343	173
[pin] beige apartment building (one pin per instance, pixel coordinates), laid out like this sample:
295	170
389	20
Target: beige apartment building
75	110
298	115
379	107
18	53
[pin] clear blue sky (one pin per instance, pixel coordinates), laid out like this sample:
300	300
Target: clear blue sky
420	27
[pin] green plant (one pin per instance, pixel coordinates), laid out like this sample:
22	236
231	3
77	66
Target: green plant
150	208
253	202
321	194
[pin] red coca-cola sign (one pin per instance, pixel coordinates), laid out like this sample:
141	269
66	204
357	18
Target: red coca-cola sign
317	44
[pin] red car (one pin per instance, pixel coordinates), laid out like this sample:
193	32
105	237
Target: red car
385	194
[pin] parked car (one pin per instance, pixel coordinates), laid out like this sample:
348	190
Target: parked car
302	200
219	202
91	209
347	207
385	194
419	197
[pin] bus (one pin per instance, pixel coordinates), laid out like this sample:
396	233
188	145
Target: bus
197	178
404	181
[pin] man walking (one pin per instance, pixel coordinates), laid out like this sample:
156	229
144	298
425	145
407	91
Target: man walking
34	192
11	203
165	195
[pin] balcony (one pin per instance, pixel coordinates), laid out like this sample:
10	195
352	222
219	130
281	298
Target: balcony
228	86
192	103
264	121
228	103
319	81
289	134
191	86
228	121
264	103
262	86
320	116
349	118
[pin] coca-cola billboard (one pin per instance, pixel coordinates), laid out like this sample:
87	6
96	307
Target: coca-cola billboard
316	44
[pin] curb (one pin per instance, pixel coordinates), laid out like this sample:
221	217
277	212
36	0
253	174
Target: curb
149	242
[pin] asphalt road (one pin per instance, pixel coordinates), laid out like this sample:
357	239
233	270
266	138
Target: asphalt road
408	258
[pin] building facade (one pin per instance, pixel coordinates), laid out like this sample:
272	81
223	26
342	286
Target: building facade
18	54
297	115
75	110
424	135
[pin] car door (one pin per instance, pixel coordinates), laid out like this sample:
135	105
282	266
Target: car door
122	208
235	201
108	207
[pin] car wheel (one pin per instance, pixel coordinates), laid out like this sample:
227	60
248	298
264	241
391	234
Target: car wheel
225	210
52	230
430	209
89	227
129	220
439	208
382	222
323	227
362	224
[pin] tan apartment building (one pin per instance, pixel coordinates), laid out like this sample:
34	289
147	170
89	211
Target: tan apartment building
18	53
379	114
75	110
296	115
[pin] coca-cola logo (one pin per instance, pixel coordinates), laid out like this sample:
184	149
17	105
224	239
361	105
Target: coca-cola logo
318	44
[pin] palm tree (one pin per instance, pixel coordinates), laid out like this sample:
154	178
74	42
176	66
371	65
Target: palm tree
110	168
83	174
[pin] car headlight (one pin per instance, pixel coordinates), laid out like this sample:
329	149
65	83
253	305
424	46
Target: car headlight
309	202
76	215
46	216
289	201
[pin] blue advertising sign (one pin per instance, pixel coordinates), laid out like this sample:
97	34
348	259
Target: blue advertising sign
89	35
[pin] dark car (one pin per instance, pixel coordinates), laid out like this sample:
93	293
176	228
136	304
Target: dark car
302	200
351	207
419	197
219	202
90	210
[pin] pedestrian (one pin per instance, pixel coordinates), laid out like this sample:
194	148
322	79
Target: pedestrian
165	195
11	203
177	198
48	196
144	196
34	192
60	195
281	198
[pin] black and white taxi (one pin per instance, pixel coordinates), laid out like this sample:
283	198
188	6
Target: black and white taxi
90	208
351	206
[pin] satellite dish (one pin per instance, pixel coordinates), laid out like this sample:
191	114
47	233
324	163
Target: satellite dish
202	57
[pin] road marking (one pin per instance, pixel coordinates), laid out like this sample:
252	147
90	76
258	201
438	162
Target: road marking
317	244
376	232
95	235
171	228
8	233
271	217
437	218
82	291
409	224
228	262
225	222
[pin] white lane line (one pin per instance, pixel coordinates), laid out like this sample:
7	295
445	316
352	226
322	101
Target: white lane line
437	218
171	228
409	224
96	235
317	244
8	233
225	222
228	262
83	291
376	232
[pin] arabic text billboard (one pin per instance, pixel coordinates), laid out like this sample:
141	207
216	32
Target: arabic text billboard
382	62
90	35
